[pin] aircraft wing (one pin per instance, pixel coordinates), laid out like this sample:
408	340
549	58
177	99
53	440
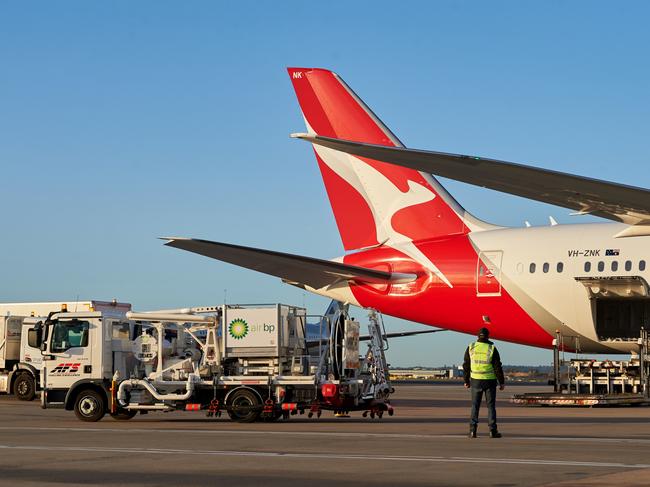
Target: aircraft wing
400	334
295	269
366	338
619	202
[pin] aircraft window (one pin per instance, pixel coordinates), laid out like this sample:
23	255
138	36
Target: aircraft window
520	268
560	267
628	265
587	266
545	267
642	265
532	268
601	266
614	265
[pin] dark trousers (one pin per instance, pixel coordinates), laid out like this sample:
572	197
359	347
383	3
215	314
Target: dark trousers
489	387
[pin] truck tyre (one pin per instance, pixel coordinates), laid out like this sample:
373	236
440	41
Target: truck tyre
244	406
123	415
89	406
25	387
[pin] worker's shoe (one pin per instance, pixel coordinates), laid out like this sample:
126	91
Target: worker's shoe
495	434
472	431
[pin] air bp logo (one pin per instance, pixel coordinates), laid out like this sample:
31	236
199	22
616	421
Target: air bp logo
238	329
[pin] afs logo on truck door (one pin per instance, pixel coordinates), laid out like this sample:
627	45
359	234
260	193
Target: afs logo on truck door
66	369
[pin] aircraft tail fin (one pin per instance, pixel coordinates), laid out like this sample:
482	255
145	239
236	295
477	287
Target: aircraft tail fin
373	202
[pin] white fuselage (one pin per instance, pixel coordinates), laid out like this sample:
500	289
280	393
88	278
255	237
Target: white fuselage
558	290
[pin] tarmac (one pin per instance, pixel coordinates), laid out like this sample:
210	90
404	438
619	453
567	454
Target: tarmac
425	443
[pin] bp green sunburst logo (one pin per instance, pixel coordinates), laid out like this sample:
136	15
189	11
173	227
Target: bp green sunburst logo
238	329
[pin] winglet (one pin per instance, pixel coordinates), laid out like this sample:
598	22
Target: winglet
303	136
171	239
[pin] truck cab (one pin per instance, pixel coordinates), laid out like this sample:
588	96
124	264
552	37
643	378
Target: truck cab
76	366
20	362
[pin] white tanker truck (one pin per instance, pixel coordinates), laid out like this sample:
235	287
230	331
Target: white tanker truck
251	361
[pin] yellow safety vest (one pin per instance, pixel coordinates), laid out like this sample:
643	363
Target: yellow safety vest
480	354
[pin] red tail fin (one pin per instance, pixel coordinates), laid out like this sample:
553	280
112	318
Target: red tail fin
373	202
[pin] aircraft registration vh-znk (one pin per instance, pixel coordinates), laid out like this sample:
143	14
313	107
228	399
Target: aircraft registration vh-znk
416	254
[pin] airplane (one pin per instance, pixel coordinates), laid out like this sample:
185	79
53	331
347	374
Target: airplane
413	252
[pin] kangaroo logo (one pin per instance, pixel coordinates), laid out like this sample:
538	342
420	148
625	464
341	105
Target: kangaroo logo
384	200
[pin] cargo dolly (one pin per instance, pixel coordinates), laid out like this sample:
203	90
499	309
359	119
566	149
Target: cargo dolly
593	383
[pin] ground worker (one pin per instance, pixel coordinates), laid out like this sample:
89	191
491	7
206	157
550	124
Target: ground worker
482	371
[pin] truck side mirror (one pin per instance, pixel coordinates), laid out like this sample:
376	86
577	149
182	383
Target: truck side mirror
35	337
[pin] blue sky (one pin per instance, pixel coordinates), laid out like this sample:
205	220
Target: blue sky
125	121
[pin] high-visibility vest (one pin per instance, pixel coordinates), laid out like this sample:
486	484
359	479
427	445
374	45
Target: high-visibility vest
480	354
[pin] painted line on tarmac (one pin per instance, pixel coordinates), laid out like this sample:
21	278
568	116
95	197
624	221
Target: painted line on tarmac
342	434
326	456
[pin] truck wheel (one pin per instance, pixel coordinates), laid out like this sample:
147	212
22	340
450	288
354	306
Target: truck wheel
244	406
89	406
25	387
123	415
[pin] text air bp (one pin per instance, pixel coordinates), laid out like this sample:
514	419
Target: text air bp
251	328
239	328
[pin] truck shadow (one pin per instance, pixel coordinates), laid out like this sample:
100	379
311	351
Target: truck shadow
357	419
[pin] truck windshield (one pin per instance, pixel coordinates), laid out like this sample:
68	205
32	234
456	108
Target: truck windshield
68	334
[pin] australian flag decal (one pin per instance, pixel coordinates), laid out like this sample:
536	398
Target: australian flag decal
612	252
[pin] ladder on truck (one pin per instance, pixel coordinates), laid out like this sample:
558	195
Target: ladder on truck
375	359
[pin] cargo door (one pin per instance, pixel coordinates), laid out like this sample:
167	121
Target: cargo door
620	306
488	273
